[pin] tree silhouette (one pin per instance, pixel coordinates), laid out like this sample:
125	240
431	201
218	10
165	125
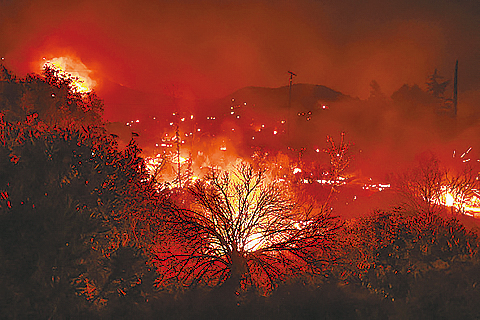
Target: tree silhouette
50	96
436	86
76	218
376	92
423	186
243	231
340	159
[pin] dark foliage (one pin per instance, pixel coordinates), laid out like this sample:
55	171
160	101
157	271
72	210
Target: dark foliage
76	221
50	96
436	86
416	261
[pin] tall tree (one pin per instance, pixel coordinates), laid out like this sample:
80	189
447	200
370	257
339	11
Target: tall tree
243	231
436	86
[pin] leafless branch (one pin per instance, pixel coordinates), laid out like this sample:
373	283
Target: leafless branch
244	229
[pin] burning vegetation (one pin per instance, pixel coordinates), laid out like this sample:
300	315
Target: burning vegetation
73	69
256	228
244	229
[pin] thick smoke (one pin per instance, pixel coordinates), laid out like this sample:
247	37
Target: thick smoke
212	48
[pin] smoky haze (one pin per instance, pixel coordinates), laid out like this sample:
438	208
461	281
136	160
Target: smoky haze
212	48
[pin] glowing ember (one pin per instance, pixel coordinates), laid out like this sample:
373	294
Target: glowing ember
73	68
297	170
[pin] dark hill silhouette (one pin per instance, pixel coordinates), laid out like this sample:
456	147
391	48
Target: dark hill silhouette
273	100
237	116
306	95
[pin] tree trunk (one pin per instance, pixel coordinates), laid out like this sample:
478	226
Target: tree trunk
238	268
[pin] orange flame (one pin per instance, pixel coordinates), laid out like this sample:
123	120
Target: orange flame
72	67
467	206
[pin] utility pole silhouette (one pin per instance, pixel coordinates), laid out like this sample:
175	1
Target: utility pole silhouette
290	101
455	89
177	134
177	140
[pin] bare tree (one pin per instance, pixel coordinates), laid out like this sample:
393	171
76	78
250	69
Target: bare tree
340	158
243	230
463	187
428	186
421	187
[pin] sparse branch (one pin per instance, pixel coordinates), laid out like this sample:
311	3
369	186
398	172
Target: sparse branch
339	156
421	187
244	230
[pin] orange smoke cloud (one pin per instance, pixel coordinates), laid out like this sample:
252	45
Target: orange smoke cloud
215	48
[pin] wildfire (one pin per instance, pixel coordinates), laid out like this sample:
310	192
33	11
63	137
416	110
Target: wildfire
174	167
469	206
154	163
73	68
464	200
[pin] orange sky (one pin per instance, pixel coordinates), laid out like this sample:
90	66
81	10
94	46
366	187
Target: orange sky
209	48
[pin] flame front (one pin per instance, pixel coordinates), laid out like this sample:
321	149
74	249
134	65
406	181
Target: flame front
469	206
73	68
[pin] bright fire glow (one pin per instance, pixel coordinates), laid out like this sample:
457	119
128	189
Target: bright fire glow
462	204
254	242
153	163
72	67
449	199
178	159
